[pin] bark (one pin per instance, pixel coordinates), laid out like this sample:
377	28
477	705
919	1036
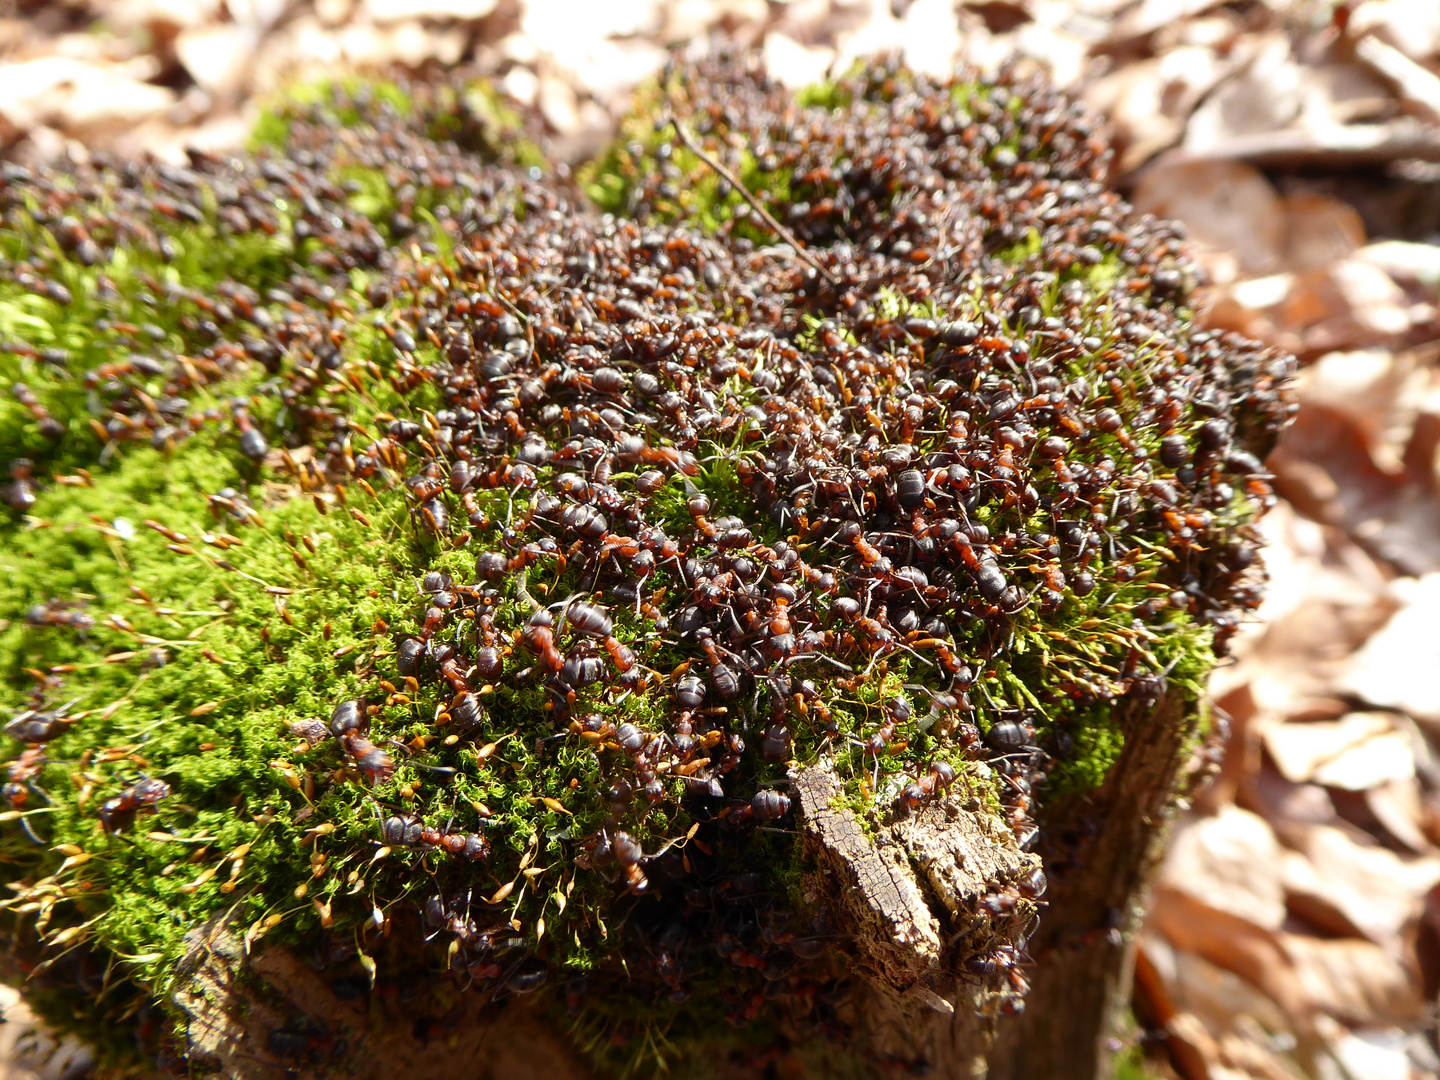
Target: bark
1084	949
267	1015
909	897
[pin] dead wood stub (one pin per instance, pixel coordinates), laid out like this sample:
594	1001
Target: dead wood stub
907	896
234	1004
910	888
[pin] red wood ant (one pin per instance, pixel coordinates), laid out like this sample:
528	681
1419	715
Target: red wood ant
407	830
539	637
916	795
118	812
766	805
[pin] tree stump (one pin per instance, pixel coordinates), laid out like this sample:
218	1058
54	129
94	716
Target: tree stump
582	624
910	895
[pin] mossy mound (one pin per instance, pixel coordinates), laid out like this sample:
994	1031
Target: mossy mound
403	550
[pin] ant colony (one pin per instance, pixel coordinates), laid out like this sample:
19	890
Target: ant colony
587	531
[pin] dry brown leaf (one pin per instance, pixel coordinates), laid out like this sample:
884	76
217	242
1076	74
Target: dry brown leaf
1399	667
1238	945
1193	1051
217	56
1371	1055
1379	391
1266	96
1132	97
1150	15
612	69
1283	803
128	15
1329	145
1249	306
566	30
559	105
398	10
1417	84
1357	752
410	43
77	96
1064	53
1346	305
930	32
1354	981
1412	26
1400	810
1188	1044
1249	1053
686	19
793	64
1219	29
1405	261
334	12
302	42
1231	211
1148	102
1319	230
1231	863
1213	995
1325	597
1347	94
1382	759
1233	1030
1324	465
1349	888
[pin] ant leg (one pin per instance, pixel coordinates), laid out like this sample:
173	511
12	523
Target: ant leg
30	832
522	593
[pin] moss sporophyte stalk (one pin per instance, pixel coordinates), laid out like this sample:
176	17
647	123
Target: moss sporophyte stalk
402	548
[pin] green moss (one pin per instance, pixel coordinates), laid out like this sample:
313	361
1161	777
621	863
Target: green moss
472	115
1025	251
830	94
204	725
272	127
1132	1062
142	286
699	195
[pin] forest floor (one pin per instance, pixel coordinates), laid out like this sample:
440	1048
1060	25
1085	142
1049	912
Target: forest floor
1296	928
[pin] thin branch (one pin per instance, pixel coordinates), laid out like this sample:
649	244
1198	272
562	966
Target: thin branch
765	215
1417	83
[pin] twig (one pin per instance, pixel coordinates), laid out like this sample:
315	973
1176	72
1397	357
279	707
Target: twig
765	215
1346	145
1417	83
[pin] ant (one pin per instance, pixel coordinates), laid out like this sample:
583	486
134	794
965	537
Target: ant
1007	962
407	830
118	812
20	492
766	805
56	613
349	723
539	637
252	443
16	793
628	854
594	621
36	727
918	794
376	765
